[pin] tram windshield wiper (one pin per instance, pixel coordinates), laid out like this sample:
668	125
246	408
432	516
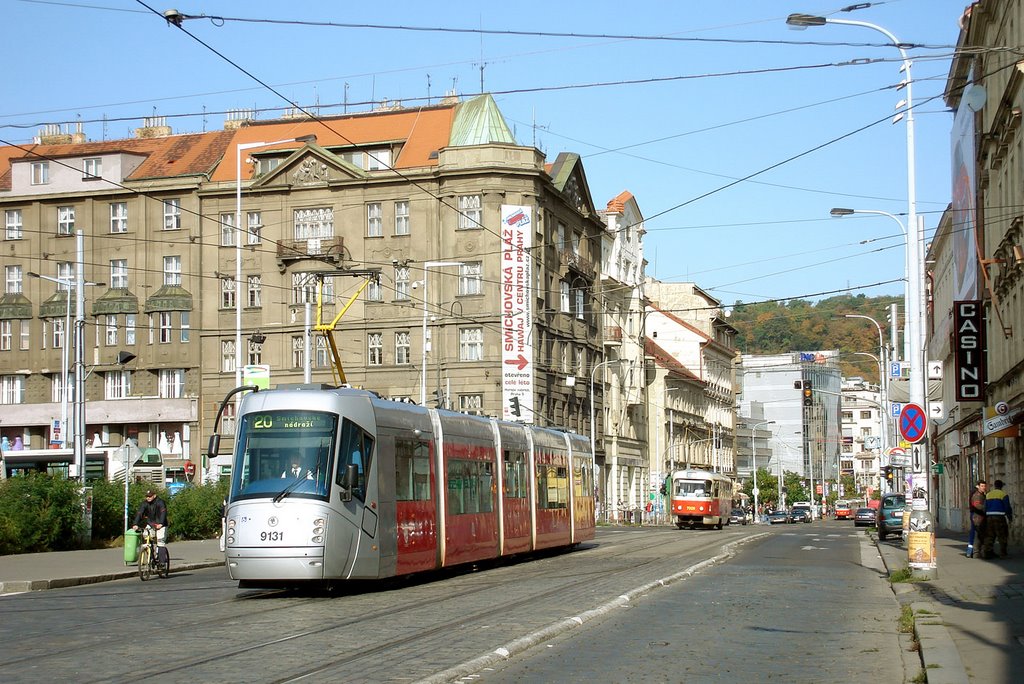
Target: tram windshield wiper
288	490
320	466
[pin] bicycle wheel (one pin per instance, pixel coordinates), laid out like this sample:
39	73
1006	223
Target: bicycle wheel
145	569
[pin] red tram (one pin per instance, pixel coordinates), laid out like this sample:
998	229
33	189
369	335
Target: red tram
701	498
391	488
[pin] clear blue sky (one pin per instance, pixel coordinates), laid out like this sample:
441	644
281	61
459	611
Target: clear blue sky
674	122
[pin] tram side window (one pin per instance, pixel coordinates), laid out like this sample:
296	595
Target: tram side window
412	470
516	481
552	487
583	477
470	486
356	449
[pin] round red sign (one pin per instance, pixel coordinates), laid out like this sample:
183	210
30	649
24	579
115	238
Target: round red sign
913	423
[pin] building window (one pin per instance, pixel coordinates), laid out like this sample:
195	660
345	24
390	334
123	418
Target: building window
171	383
560	236
254	235
26	334
311	224
111	330
186	326
57	386
40	173
227	419
471	344
14	226
374	224
471	278
119	274
65	220
401	282
227	356
149	328
118	217
129	329
254	353
65	276
6	336
322	357
172	270
255	291
576	239
579	303
402	218
375	349
847	416
227	293
298	351
57	330
402	348
12	389
92	167
563	289
13	278
304	288
865	415
172	214
472	403
227	230
117	384
166	326
374	292
469	212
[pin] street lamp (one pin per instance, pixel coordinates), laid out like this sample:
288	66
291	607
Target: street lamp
593	371
427	265
915	243
242	147
882	393
753	463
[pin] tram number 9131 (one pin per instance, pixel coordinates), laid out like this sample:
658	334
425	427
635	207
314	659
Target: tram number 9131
272	536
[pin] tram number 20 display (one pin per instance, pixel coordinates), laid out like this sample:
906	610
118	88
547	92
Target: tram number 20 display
272	536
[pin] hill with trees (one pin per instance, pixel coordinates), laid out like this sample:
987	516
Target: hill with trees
799	325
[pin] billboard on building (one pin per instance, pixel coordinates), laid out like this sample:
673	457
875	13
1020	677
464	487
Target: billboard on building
964	210
517	313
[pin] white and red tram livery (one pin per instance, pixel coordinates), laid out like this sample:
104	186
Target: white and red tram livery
392	488
701	498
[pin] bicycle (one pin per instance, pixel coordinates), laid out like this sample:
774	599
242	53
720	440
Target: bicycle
149	557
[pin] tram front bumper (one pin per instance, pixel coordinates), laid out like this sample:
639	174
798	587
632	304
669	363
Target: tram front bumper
282	563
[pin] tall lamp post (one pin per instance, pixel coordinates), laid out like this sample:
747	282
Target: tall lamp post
915	243
882	388
427	265
242	147
753	464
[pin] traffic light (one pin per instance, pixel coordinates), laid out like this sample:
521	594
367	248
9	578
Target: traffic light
514	403
808	395
438	398
888	474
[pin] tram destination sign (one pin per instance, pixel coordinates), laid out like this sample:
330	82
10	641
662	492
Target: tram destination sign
969	350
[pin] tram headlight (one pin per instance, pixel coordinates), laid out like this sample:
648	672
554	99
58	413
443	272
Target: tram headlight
319	522
318	539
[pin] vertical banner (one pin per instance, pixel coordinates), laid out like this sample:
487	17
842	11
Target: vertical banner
517	313
969	350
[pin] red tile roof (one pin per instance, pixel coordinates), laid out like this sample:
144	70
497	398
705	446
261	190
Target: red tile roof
617	204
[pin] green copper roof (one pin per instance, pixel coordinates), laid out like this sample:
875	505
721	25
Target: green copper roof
14	306
169	298
479	122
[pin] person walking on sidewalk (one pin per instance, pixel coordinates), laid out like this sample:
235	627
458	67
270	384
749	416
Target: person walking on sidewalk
977	513
998	516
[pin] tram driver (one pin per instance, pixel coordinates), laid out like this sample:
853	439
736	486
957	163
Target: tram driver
294	471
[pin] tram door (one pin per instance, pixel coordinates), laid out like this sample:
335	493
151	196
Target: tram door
352	551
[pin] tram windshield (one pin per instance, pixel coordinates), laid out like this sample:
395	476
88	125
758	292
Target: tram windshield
284	453
693	488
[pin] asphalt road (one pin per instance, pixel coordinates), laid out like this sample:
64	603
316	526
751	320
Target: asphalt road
774	602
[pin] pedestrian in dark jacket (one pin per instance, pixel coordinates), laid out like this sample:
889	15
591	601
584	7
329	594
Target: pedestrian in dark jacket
977	515
998	516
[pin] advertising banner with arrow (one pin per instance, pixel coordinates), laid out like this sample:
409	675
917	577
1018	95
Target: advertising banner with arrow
516	313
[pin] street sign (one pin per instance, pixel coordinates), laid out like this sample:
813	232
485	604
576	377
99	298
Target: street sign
894	369
913	423
894	409
936	410
898	457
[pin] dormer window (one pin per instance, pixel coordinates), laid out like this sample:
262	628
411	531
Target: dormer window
40	173
370	160
92	168
265	165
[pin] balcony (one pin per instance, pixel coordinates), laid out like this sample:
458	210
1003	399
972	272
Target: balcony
577	263
612	336
327	250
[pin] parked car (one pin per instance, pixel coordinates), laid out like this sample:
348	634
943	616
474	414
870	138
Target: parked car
781	516
864	517
801	514
890	515
738	517
844	511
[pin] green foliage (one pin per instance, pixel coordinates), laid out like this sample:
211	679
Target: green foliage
43	513
798	325
39	513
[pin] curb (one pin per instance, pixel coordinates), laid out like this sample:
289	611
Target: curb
940	658
22	586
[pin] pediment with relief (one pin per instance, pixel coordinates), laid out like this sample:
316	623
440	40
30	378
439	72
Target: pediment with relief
312	165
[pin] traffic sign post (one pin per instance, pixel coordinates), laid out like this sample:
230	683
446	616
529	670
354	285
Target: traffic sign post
913	423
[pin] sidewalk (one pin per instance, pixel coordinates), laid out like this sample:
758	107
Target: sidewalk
37	571
970	619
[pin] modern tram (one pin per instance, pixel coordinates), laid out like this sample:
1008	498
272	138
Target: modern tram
340	484
701	498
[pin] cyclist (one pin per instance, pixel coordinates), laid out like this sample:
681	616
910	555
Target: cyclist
153	512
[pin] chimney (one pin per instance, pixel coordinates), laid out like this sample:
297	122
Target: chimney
153	127
237	118
51	134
